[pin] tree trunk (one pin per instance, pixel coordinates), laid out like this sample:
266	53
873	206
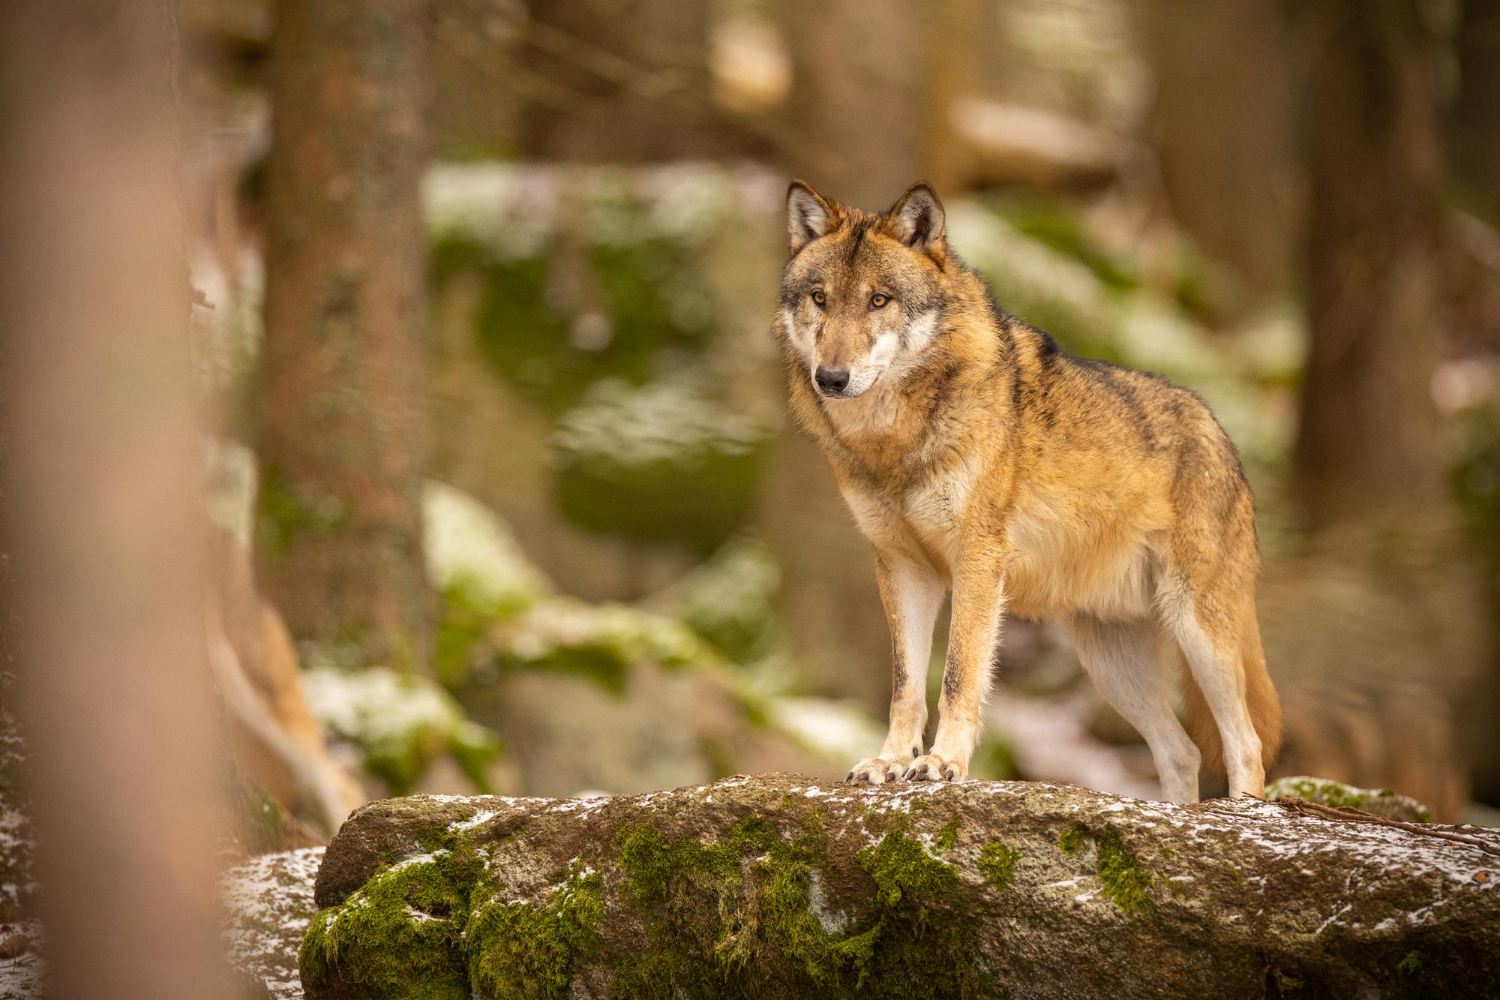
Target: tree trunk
1221	132
103	519
1477	116
857	114
341	392
1367	444
777	886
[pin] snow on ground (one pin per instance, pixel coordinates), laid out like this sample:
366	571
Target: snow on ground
21	975
270	899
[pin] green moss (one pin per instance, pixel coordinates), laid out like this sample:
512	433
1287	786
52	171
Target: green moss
399	937
1381	802
1122	880
747	917
998	863
525	950
755	913
947	837
902	868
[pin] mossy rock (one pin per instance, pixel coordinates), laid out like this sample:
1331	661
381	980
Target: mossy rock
473	557
399	723
780	886
1375	801
657	463
568	635
730	601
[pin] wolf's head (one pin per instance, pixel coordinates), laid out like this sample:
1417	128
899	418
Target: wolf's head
862	294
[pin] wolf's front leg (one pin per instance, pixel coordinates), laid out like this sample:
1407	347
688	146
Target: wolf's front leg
911	592
974	631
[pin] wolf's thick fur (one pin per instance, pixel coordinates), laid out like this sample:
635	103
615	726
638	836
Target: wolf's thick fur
978	457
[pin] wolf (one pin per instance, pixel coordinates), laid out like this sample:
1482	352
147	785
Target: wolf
981	459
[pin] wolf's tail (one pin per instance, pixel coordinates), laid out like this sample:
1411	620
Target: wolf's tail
1260	696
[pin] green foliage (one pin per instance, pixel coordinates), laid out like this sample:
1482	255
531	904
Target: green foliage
995	760
1056	224
730	601
655	308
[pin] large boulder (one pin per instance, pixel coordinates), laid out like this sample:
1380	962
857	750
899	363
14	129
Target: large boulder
778	886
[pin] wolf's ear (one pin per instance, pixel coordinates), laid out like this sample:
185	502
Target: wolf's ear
808	216
917	218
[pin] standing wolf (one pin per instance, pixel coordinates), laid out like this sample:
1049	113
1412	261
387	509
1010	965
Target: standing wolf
978	457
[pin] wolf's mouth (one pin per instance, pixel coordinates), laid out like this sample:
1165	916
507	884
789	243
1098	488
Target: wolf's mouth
849	392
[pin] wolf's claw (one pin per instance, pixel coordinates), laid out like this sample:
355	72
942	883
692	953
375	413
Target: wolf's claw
934	768
874	771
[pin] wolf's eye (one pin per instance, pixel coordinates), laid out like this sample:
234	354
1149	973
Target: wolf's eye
819	298
878	301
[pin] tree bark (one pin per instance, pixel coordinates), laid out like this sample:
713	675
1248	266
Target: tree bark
780	886
103	519
857	113
1477	115
1366	447
341	393
1221	130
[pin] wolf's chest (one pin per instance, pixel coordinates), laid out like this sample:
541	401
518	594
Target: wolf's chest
929	513
936	507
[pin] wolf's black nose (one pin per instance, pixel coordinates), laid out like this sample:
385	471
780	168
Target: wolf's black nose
832	379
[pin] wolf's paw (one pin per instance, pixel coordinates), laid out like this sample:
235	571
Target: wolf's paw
934	768
874	771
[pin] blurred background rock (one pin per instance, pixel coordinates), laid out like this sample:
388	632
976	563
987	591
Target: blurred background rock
639	575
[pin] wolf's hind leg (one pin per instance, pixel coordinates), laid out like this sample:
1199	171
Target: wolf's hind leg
1210	637
1124	660
911	592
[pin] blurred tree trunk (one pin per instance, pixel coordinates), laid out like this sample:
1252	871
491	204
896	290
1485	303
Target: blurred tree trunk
103	518
858	114
1368	443
1477	116
1221	132
341	394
